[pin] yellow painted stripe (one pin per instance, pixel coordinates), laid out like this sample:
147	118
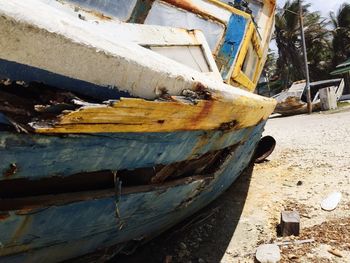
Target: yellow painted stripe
239	76
245	81
257	44
265	50
138	115
243	51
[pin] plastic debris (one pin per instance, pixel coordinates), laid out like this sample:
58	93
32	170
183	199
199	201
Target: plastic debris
331	202
268	253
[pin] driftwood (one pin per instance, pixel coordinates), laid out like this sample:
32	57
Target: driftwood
290	223
295	242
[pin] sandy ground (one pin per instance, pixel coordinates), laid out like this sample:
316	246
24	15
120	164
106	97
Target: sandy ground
311	160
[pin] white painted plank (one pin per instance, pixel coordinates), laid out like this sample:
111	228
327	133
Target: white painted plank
39	33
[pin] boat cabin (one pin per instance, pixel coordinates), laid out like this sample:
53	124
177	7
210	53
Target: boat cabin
238	32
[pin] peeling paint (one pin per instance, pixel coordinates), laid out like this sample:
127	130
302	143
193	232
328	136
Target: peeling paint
12	170
228	125
136	115
21	229
72	226
190	133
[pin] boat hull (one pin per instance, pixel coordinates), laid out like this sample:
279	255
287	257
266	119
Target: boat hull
140	142
39	156
60	232
293	106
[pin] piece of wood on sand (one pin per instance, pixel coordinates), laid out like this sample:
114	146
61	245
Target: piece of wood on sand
290	223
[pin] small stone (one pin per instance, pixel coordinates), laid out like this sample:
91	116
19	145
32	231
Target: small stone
331	202
299	183
268	253
183	246
200	260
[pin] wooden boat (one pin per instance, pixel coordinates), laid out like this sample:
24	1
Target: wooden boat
111	133
293	100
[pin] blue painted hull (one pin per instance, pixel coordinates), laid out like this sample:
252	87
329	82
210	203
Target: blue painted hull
41	221
38	156
60	232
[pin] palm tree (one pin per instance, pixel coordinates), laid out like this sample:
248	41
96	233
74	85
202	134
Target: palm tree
287	35
319	47
289	62
341	34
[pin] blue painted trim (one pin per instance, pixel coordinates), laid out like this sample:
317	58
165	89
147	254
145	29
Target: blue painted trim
18	71
140	11
42	156
234	36
61	232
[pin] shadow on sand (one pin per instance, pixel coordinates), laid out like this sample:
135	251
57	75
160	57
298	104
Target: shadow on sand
204	237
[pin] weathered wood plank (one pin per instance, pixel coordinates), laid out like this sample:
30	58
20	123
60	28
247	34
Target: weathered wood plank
290	223
38	156
137	115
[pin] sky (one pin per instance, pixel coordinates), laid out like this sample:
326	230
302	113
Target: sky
324	6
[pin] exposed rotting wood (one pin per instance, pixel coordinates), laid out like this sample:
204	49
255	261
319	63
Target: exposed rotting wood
22	103
33	202
138	115
187	168
45	109
228	125
24	193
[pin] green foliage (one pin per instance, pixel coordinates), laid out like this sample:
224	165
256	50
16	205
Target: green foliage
270	69
327	42
341	34
290	62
